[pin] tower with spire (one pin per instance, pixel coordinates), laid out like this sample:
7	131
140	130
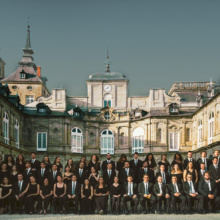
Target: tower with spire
27	80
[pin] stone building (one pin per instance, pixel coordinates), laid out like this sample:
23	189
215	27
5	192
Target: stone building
107	120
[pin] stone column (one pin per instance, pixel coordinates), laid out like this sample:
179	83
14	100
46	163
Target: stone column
87	136
183	133
97	137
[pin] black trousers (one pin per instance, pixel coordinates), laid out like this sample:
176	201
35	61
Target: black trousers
29	203
116	201
151	200
178	199
134	202
76	200
166	203
4	202
59	203
100	202
191	199
214	203
86	205
46	202
20	201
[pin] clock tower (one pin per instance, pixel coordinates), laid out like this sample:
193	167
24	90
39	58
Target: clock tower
107	88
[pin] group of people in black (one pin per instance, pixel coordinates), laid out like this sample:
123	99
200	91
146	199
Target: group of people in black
184	186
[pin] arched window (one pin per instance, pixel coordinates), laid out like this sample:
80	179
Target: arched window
211	127
107	100
199	133
76	140
107	142
138	140
16	133
6	128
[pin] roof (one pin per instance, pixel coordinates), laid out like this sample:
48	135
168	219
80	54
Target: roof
107	76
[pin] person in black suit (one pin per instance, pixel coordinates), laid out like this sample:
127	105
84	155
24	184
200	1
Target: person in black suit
108	175
214	171
176	193
189	159
81	173
136	165
201	172
107	161
42	174
54	174
35	164
146	170
208	189
190	189
145	191
18	194
165	175
162	194
216	154
204	160
125	172
28	172
130	193
73	193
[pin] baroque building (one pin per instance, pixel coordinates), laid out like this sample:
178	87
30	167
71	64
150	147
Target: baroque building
106	120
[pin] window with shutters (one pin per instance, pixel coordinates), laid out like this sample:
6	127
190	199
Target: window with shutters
16	133
173	141
77	140
107	142
138	140
199	144
210	127
6	128
107	100
41	141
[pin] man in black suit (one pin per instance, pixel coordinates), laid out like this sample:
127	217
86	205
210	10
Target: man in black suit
130	193
146	170
18	194
136	165
201	172
108	175
204	160
73	193
165	175
176	193
145	191
162	194
106	162
189	159
216	154
190	189
208	189
42	173
35	164
125	172
81	173
28	171
214	171
53	175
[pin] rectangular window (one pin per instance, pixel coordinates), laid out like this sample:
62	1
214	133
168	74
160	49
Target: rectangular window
173	141
29	99
17	137
138	144
41	141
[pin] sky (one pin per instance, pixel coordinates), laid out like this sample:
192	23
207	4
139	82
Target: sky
154	43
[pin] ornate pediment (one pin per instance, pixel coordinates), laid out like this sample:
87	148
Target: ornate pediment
107	114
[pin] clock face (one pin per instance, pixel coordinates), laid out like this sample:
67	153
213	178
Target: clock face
107	88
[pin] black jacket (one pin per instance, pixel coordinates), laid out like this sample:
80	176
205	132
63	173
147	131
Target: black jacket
15	190
77	189
36	165
27	175
186	161
109	180
150	173
137	167
123	175
135	189
204	189
215	173
167	176
105	163
200	176
186	187
171	188
199	161
156	189
141	188
51	179
40	178
81	178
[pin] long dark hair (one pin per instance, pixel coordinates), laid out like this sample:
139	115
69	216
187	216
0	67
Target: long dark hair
174	158
122	156
48	159
17	159
166	161
7	179
6	160
97	158
89	186
97	186
150	154
55	161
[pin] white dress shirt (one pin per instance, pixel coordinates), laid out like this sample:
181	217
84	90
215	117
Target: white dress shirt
192	187
209	185
160	186
130	186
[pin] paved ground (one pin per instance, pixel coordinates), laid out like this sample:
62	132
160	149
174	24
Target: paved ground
111	217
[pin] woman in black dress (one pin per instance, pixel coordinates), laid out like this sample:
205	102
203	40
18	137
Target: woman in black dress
67	175
46	194
190	170
94	162
59	164
177	172
20	163
178	160
4	172
101	195
14	174
164	162
151	161
10	162
93	177
59	191
32	191
86	197
71	165
115	193
5	192
121	162
46	160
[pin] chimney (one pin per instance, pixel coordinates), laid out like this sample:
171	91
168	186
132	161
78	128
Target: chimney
39	71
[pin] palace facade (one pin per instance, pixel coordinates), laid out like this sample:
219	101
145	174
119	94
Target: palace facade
34	119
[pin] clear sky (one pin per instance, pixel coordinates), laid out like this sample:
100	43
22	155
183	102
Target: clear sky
153	42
